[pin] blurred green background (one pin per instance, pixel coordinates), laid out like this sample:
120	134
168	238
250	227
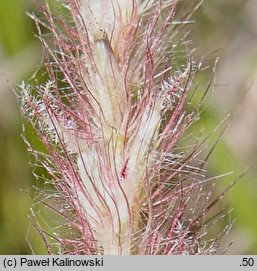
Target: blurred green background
223	28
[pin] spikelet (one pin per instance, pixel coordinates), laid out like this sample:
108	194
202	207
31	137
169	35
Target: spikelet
111	117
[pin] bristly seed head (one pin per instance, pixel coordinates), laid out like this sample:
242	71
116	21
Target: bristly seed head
111	117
